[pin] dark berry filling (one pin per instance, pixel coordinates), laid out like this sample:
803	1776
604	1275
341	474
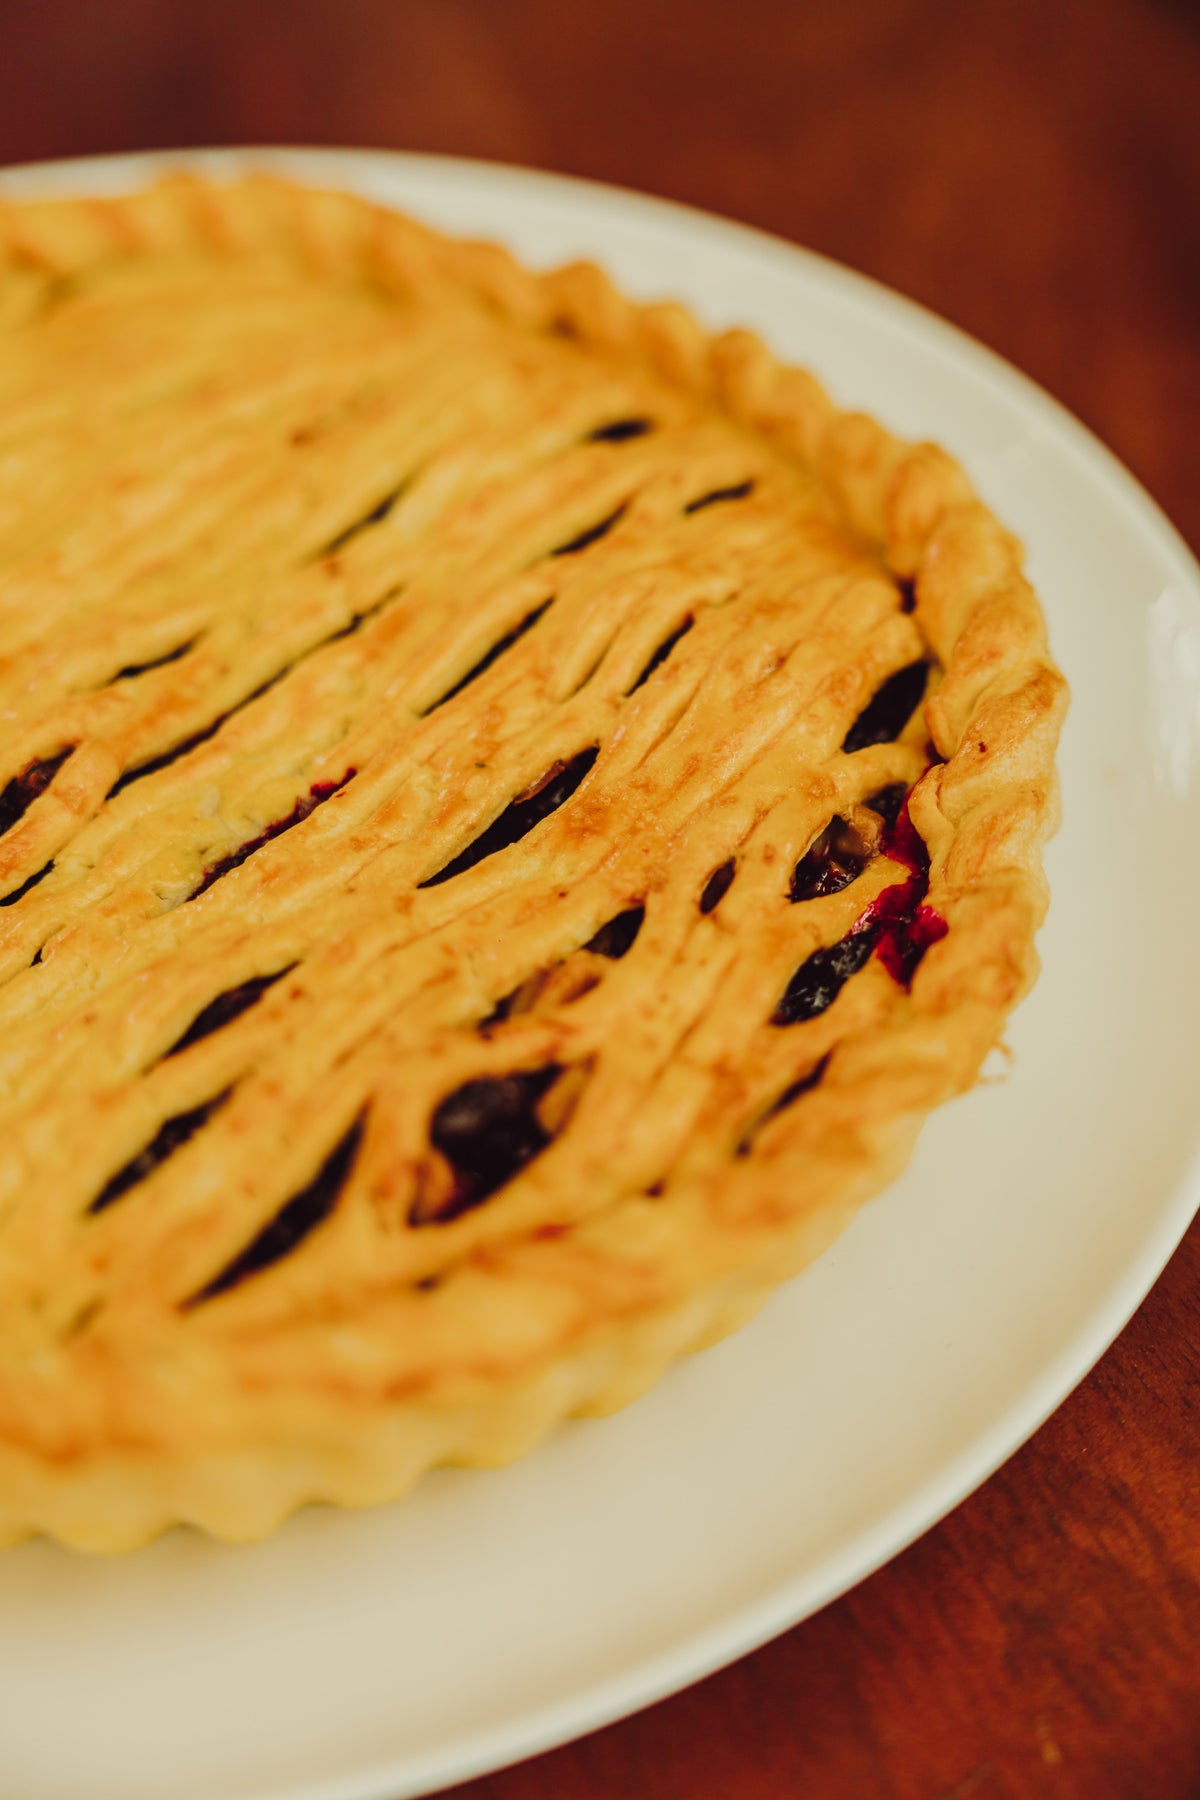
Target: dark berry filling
904	941
316	796
616	938
194	742
593	534
155	662
376	516
834	859
490	656
353	624
717	886
619	431
486	1130
180	750
521	815
905	923
225	1008
294	1221
19	794
804	1085
716	495
566	981
527	993
661	654
30	881
897	925
503	1009
821	977
887	801
888	711
170	1136
904	844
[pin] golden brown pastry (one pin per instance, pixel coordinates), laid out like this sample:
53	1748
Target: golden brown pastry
512	810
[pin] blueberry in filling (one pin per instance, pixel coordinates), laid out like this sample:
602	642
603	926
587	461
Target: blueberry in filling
617	937
226	1007
294	1221
170	1136
503	1009
490	656
792	1092
173	755
376	516
888	711
619	431
155	662
804	1085
888	801
835	859
568	980
661	654
717	886
593	534
316	796
738	491
821	977
898	925
30	881
520	816
19	794
487	1130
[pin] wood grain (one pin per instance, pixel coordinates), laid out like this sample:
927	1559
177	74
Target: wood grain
1031	172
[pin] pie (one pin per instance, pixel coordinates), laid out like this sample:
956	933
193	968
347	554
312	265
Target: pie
512	811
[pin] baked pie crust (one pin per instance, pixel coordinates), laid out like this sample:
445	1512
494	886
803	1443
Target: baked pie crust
512	811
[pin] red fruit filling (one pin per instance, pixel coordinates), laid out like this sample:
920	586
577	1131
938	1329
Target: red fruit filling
316	796
898	926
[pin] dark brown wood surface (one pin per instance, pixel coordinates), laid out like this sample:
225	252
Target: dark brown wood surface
1031	170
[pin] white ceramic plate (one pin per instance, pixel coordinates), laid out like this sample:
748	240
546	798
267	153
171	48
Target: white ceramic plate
383	1655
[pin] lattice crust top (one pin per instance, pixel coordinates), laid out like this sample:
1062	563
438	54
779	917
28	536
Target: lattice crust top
511	811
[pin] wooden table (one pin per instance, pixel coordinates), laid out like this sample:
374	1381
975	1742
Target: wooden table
1032	172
